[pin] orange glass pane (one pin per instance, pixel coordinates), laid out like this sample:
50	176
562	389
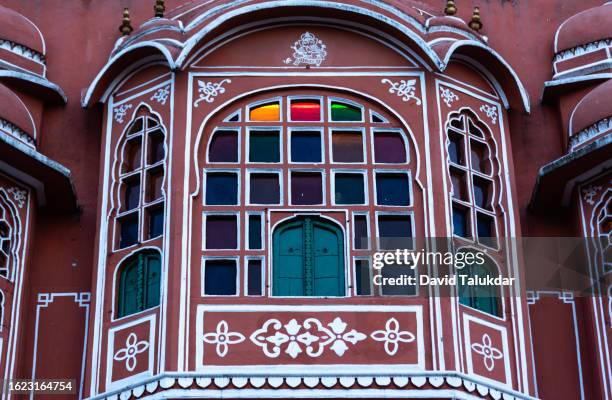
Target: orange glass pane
265	112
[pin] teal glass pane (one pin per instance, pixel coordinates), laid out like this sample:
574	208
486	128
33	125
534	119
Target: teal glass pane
343	112
392	189
255	232
461	224
349	189
221	188
264	146
128	295
153	268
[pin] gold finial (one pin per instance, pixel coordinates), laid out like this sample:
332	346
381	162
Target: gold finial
159	8
125	28
475	23
451	8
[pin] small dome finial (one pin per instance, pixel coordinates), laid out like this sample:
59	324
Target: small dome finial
475	22
159	8
451	8
126	28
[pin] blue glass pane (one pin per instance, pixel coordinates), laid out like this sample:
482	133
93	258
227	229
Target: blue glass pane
264	146
221	232
254	278
460	222
395	231
221	188
129	230
486	229
254	232
306	147
349	189
392	189
361	232
220	277
156	221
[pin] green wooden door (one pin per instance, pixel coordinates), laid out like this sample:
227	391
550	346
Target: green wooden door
308	258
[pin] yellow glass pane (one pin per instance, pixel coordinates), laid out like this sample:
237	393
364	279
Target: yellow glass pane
265	112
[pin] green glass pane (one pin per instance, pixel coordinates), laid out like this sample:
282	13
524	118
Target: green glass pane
153	279
264	146
342	112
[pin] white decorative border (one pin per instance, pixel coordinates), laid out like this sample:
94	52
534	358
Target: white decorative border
110	384
467	319
202	309
44	299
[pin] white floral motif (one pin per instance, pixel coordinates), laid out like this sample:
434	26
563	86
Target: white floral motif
487	351
392	336
132	348
161	95
297	340
309	50
590	192
19	195
210	90
448	96
404	89
223	338
121	111
490	111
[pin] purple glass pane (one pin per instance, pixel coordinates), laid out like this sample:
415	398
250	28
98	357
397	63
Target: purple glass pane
264	189
221	232
224	147
361	232
306	188
389	148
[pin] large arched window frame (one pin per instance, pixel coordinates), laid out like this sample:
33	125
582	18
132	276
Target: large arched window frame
141	175
305	150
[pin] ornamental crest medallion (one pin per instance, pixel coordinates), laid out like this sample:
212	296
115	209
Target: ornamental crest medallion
309	50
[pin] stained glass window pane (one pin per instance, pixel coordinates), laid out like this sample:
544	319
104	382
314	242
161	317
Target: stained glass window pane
265	112
132	157
486	229
224	147
461	222
254	278
395	272
255	232
155	178
361	232
456	151
264	146
131	187
306	146
156	221
478	155
395	231
459	181
128	226
221	232
389	148
221	188
482	193
349	189
264	188
363	279
220	277
305	110
156	147
342	112
347	146
392	189
306	188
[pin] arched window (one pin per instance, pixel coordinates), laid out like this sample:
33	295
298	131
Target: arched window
302	150
308	258
139	283
472	177
140	215
480	297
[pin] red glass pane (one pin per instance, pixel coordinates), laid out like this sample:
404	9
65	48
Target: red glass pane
305	110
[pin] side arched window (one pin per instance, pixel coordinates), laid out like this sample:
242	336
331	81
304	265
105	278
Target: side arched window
140	216
139	283
485	298
472	176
